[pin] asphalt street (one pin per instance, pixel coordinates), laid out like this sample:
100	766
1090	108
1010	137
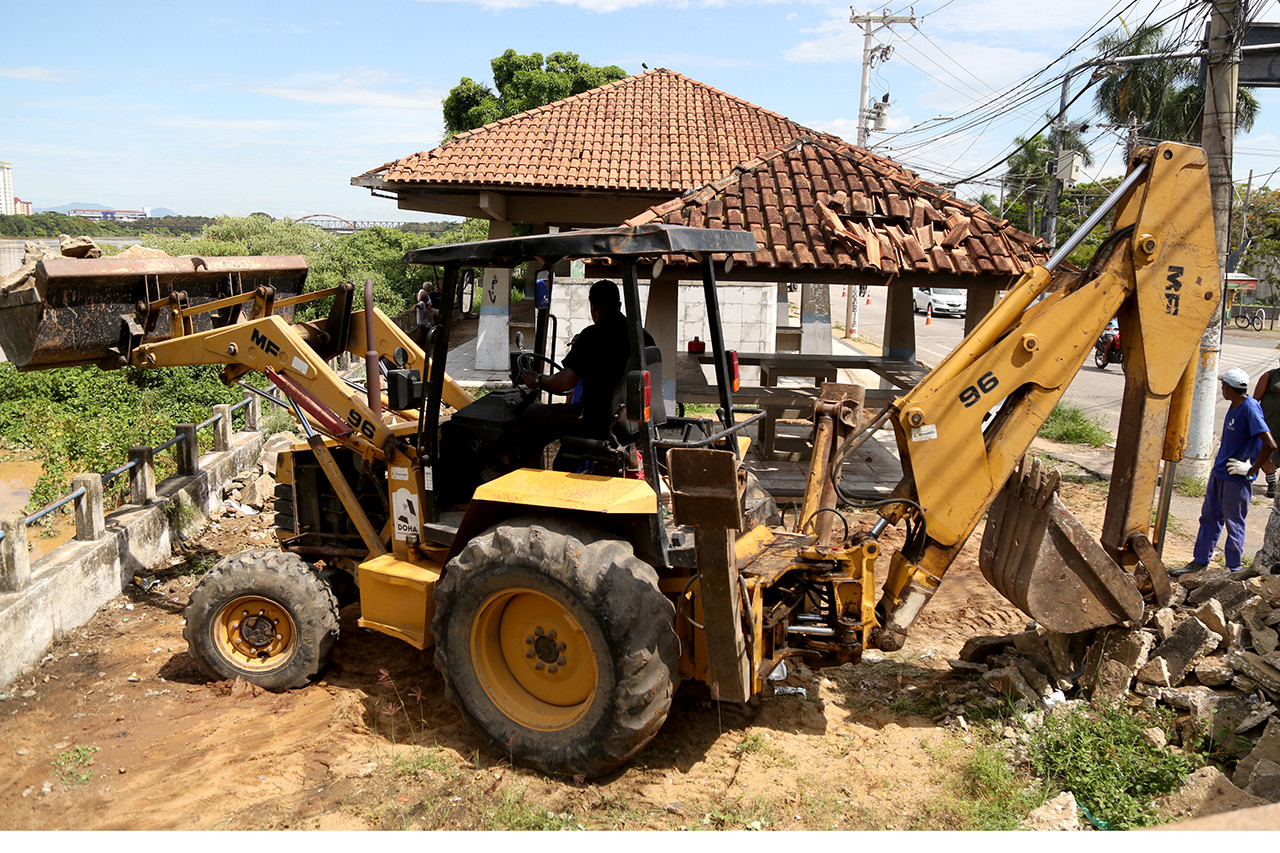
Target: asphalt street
1098	392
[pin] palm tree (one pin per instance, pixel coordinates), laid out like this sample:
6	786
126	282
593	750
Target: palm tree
1162	97
1027	179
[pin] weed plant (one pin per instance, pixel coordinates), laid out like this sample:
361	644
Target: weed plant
1097	753
1069	424
73	765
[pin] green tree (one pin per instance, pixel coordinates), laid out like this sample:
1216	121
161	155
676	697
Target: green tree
1027	179
1162	97
523	81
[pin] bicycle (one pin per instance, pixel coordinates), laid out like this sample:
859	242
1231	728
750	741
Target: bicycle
1245	320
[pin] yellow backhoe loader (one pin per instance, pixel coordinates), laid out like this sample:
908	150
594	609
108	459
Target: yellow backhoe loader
564	609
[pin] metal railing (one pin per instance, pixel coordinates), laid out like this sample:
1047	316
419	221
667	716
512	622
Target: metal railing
184	432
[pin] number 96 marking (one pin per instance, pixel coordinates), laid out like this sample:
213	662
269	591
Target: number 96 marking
985	385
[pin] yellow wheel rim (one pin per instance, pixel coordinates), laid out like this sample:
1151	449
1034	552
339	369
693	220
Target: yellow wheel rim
255	633
533	659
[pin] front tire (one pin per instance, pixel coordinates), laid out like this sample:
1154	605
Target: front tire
1100	357
262	615
557	646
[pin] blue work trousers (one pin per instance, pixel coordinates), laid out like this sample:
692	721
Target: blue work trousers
1225	502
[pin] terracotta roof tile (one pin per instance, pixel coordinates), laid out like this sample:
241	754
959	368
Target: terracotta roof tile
818	203
655	132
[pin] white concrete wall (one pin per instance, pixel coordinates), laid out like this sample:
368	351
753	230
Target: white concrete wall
748	315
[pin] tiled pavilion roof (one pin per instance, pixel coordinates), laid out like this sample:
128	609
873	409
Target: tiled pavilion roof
647	137
829	207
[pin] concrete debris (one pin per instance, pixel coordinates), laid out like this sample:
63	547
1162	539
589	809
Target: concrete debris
272	447
1061	814
1214	658
137	250
78	247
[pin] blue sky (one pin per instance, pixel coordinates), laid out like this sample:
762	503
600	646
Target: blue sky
236	107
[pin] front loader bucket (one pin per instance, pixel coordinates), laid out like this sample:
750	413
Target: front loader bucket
1039	556
94	311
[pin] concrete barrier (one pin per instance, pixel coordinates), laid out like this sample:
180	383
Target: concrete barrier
41	601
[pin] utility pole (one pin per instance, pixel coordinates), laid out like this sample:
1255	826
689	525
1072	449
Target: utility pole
1226	27
870	53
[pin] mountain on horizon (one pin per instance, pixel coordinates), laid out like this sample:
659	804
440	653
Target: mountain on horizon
86	205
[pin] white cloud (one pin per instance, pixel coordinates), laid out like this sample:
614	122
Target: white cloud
37	74
362	87
604	6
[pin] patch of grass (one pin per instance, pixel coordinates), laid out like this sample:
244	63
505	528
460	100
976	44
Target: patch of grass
418	760
1190	487
195	565
1098	754
995	794
1070	425
757	743
740	814
73	765
182	514
513	813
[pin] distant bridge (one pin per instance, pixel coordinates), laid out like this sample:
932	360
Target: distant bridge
338	225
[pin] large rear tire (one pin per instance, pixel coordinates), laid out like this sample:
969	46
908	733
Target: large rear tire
262	615
557	645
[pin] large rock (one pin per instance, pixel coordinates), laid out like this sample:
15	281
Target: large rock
1257	670
1229	590
1186	645
1264	781
137	250
1129	648
1061	814
271	450
1206	792
78	247
1111	682
1210	613
1268	748
258	490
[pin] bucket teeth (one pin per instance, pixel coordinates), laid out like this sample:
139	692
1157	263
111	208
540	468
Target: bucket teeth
1040	557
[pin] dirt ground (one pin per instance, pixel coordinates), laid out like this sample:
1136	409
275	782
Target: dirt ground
117	729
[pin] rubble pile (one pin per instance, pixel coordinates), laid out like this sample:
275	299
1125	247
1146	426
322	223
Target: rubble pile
34	251
1212	655
251	491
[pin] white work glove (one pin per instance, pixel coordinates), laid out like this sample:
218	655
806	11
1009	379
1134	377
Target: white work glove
1238	468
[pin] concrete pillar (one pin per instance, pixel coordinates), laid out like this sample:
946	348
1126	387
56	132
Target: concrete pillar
978	304
222	429
662	321
492	342
784	306
252	412
187	450
815	318
142	476
15	562
90	525
899	324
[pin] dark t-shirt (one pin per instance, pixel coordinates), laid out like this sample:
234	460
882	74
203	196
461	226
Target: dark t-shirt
599	357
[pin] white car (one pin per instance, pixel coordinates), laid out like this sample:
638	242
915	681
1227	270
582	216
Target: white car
943	300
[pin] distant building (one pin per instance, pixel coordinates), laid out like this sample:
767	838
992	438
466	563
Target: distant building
6	188
117	215
23	208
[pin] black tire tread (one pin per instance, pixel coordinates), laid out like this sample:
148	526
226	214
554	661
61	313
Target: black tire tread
617	587
285	578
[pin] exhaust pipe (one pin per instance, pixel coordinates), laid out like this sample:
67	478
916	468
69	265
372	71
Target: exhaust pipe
373	376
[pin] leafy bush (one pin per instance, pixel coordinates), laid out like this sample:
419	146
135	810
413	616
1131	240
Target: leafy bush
1098	754
1069	424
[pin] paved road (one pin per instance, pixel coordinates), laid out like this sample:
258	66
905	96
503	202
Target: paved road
1098	392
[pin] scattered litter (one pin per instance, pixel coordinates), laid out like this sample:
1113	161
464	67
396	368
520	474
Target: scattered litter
135	677
29	694
145	584
779	673
790	691
128	607
5	697
246	511
26	792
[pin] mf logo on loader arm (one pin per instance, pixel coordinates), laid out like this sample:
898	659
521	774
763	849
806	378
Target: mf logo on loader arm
264	343
1172	290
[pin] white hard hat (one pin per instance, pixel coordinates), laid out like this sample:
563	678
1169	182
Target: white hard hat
1237	379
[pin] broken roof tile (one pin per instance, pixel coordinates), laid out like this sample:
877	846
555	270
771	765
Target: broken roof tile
916	226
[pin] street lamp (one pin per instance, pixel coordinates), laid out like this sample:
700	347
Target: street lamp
916	126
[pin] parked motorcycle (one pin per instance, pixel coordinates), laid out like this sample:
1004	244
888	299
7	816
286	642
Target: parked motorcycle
1107	349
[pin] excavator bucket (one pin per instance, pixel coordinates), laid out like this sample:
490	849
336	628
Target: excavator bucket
1039	556
94	311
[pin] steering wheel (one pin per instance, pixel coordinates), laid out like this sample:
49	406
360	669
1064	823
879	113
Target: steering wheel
531	362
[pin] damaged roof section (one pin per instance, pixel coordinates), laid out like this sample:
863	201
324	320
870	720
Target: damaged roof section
655	132
819	204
